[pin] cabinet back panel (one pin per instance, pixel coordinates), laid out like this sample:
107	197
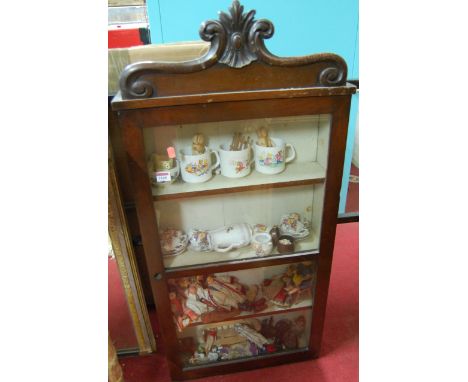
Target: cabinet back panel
305	133
253	207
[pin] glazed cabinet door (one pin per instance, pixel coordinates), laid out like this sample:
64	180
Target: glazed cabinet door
237	200
243	315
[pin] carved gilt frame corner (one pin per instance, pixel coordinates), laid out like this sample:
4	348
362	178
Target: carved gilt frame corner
125	257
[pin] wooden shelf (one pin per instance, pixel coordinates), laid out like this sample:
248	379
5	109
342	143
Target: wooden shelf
271	310
189	257
295	174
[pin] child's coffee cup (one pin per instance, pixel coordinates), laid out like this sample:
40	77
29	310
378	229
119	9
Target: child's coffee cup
272	160
235	164
197	168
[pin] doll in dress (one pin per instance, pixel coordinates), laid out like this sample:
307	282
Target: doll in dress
225	292
198	144
193	303
263	138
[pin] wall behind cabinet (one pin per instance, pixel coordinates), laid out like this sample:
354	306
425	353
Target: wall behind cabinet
301	26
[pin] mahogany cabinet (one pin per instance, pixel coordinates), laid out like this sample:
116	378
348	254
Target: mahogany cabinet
235	161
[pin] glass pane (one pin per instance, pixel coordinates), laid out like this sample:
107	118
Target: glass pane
349	194
228	190
246	313
352	198
212	224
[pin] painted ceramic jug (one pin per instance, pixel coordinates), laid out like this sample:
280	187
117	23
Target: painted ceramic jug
222	239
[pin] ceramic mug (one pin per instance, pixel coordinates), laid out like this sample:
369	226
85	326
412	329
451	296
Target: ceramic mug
272	160
235	164
262	244
197	168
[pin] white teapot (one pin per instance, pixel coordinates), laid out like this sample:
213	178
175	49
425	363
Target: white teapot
222	239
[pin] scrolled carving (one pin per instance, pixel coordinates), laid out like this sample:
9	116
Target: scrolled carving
261	30
332	76
236	40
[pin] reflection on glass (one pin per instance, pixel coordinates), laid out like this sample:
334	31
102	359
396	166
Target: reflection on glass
352	197
243	313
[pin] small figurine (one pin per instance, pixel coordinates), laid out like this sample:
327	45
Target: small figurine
263	138
292	334
251	334
268	329
176	305
210	337
239	142
198	144
300	325
193	302
275	234
226	294
292	287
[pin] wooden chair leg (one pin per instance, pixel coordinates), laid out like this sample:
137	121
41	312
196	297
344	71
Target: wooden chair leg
115	371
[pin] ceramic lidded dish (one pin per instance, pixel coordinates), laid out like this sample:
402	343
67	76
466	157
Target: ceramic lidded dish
285	244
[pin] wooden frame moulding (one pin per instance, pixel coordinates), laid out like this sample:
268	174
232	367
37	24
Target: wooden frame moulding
123	251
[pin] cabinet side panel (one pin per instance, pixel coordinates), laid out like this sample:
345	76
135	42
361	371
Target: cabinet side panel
134	149
339	126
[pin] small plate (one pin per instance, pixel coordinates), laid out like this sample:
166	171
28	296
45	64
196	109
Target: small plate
173	242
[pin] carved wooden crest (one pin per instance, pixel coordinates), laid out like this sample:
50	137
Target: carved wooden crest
236	40
237	26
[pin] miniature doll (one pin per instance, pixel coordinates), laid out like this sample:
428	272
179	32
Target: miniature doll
210	337
179	312
300	325
226	295
193	303
263	138
268	329
274	290
227	286
176	306
198	144
251	334
292	334
281	328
